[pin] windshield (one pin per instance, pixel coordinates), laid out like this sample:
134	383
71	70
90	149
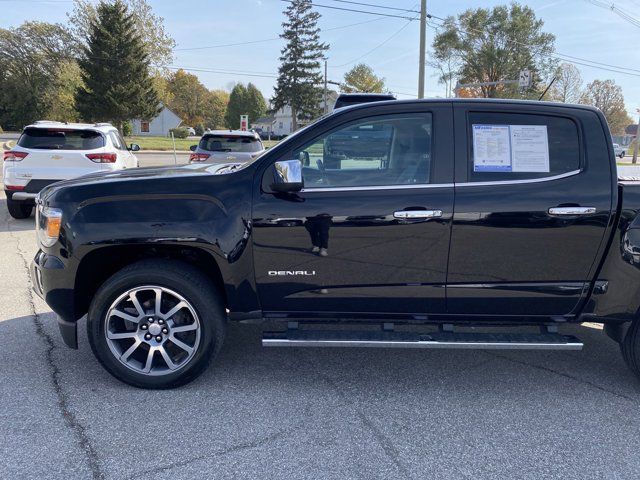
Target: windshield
60	139
230	143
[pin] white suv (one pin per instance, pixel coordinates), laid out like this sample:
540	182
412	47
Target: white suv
48	152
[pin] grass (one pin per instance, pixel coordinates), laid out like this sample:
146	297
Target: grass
165	143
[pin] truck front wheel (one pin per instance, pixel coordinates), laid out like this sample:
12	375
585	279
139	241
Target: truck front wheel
156	324
631	347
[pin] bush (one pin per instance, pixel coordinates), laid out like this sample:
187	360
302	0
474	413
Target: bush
199	129
127	129
179	132
1	130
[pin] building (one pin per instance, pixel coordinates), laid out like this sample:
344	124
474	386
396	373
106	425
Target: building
283	120
264	124
159	126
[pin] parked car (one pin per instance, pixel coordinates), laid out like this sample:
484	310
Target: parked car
190	130
619	151
48	152
224	146
431	235
348	99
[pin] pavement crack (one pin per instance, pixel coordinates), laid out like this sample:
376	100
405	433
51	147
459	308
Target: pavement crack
255	443
54	372
565	375
385	443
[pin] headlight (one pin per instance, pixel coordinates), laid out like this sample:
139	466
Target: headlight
48	223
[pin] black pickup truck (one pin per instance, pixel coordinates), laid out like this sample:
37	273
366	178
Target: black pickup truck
477	215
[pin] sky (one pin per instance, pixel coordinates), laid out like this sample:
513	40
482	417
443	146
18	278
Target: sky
388	45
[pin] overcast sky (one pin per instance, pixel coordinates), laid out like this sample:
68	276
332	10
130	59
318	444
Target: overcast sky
389	45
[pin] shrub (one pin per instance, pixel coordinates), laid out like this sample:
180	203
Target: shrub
179	132
127	129
199	129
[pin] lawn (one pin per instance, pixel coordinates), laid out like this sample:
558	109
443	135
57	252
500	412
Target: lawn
165	143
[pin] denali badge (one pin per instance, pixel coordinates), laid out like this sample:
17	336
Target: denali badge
284	273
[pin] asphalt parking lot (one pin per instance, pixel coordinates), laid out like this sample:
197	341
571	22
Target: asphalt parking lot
307	413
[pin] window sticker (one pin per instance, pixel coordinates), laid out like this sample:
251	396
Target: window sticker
491	148
510	148
529	148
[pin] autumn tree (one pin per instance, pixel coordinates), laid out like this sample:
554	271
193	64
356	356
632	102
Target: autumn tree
362	79
607	96
188	97
299	76
490	45
567	87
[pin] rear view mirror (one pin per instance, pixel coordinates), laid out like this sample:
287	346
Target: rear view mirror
193	148
287	176
134	147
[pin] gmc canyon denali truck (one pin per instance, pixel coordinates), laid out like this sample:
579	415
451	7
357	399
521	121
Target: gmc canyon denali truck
481	214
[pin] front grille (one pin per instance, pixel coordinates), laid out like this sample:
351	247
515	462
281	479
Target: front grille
34	186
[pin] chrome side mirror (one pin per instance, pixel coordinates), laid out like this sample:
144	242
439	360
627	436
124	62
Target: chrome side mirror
287	176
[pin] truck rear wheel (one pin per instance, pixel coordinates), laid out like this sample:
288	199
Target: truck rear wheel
156	324
631	347
19	210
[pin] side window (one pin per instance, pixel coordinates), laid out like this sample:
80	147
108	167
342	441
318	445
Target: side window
117	140
378	151
513	146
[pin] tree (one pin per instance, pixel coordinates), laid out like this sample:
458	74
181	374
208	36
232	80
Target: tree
31	58
189	97
607	96
362	79
158	43
216	109
299	76
60	97
484	45
115	70
567	87
244	101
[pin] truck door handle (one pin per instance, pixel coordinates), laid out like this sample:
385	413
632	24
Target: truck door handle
572	210
410	214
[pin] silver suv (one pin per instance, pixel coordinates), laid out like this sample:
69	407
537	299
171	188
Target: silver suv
225	146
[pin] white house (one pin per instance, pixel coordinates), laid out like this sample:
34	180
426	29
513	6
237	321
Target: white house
283	120
264	123
159	126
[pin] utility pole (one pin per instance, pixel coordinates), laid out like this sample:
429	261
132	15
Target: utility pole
635	150
423	46
326	106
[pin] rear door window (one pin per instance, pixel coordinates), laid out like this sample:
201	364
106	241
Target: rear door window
230	143
60	139
514	146
117	140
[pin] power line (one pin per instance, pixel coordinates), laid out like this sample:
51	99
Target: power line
397	32
377	6
225	72
355	11
251	42
624	14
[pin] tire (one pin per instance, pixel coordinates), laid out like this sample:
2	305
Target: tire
631	347
19	210
202	314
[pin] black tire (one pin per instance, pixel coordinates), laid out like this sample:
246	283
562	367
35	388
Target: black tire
19	210
631	347
181	278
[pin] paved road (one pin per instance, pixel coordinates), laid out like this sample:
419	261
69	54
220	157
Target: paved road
307	413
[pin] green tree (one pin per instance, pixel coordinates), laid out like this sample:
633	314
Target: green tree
115	70
484	45
362	79
32	57
158	43
256	105
608	97
299	76
236	107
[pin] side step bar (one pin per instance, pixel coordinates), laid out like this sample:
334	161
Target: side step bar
441	339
